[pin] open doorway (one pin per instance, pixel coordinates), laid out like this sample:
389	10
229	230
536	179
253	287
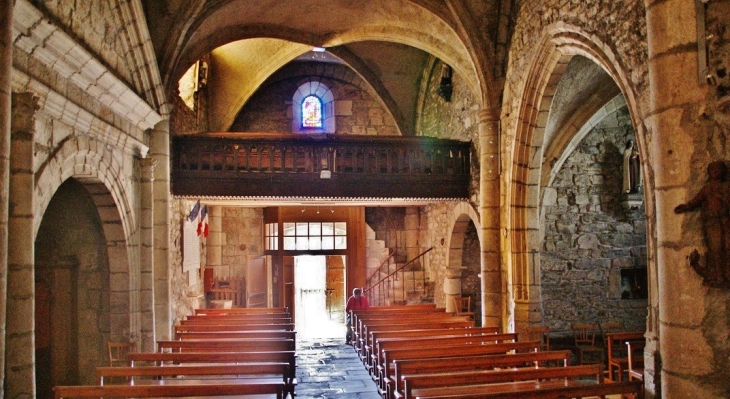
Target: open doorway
319	296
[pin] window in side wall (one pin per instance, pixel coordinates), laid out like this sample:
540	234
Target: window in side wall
311	112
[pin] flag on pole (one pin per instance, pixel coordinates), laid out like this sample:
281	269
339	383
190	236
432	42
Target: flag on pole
203	223
194	212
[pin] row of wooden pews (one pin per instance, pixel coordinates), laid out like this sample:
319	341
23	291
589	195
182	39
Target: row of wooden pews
216	352
421	351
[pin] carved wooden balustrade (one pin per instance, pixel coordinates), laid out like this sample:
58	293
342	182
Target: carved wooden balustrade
326	166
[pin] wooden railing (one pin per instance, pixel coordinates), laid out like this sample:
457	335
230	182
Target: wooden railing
386	287
247	164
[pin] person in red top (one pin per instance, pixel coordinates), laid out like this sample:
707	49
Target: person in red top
356	302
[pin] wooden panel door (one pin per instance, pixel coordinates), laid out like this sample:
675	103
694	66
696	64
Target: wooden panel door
257	283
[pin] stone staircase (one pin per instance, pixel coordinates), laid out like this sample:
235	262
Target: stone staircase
408	286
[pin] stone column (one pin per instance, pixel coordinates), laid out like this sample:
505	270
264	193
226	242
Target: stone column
490	216
6	65
20	367
692	319
160	152
147	254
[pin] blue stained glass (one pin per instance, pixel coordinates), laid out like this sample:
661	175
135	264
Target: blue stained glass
311	112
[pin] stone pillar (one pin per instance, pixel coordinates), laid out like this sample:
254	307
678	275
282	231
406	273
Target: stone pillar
692	319
6	65
492	292
20	367
160	152
147	254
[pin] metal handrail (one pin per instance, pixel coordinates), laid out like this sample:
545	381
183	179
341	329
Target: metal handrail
387	279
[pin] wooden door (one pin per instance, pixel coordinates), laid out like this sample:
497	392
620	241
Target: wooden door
288	278
257	283
336	287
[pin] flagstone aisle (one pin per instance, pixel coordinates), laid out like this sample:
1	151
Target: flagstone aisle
327	368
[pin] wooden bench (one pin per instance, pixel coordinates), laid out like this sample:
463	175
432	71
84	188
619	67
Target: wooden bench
210	387
233	327
475	362
522	379
376	359
227	345
379	338
266	369
373	336
359	342
188	335
359	331
617	359
282	311
541	391
245	318
176	358
383	373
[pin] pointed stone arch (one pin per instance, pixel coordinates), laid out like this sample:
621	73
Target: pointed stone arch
462	215
101	176
559	44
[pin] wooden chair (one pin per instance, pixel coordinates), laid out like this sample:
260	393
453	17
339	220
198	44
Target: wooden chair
635	351
463	306
584	335
119	351
541	334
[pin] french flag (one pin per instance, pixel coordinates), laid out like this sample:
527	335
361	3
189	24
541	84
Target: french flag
203	223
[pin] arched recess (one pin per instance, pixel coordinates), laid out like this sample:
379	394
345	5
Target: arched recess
464	223
72	280
102	177
559	44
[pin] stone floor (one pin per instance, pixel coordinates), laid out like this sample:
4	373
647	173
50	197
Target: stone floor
327	368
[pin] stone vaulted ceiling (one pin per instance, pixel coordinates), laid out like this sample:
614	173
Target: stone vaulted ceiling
387	42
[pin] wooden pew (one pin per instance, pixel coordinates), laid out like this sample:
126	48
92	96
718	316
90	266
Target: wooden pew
384	373
391	326
523	379
223	345
616	357
591	390
377	359
474	362
211	387
232	327
364	323
373	336
281	310
150	374
187	335
176	358
252	319
250	370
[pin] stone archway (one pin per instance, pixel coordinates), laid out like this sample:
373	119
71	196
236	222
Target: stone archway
525	194
462	275
72	262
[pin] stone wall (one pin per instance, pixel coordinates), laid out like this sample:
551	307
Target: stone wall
357	110
184	297
590	235
620	24
456	119
98	27
241	238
